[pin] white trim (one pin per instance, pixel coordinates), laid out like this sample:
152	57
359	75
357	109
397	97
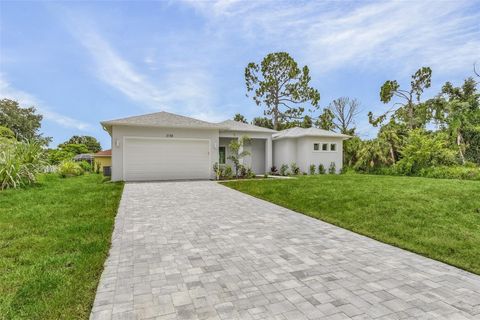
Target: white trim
161	138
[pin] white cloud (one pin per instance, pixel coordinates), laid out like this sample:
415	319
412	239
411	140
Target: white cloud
401	34
184	88
26	100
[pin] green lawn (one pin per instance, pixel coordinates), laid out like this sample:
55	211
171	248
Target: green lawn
54	238
437	218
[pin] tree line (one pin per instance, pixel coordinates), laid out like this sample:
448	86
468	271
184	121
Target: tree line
415	135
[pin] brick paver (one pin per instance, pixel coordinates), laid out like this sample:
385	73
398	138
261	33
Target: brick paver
198	250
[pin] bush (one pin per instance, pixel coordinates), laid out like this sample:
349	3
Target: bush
321	169
228	172
86	166
249	173
453	172
242	171
294	168
424	150
69	169
312	169
284	170
218	171
20	162
332	168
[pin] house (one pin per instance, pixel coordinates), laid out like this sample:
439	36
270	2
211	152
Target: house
307	146
103	159
167	146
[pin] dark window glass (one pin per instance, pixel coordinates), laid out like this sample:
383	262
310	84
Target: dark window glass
333	147
316	146
325	147
221	155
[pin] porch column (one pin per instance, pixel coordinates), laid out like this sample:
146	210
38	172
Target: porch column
268	154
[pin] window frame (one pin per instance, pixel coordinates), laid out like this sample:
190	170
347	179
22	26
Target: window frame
322	144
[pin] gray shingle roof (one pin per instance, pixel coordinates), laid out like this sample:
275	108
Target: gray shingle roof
298	132
163	119
240	126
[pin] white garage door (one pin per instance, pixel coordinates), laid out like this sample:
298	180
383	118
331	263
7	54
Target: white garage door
166	159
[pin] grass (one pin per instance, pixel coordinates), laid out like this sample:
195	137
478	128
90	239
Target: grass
54	240
436	218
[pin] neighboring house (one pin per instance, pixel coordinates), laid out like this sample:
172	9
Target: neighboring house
307	146
166	146
103	159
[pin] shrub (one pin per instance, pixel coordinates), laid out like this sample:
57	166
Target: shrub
312	169
242	171
424	150
20	162
273	170
332	168
87	167
69	169
284	170
294	168
249	173
453	172
218	171
228	172
321	169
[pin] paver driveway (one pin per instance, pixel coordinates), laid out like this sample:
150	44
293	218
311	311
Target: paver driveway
198	250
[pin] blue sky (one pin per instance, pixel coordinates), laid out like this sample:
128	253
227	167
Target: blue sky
83	62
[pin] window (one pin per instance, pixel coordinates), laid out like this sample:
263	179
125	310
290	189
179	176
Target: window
333	147
316	146
221	155
324	146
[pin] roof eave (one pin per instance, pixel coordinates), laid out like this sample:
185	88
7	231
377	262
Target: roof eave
111	124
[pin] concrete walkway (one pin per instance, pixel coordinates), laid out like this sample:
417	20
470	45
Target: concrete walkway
198	250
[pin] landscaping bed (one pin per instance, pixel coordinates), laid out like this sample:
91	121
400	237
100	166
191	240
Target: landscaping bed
54	239
437	218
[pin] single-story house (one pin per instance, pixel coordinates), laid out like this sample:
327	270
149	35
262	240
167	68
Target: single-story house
103	159
167	146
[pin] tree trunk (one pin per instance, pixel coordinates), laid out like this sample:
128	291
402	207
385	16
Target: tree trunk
392	154
410	115
459	143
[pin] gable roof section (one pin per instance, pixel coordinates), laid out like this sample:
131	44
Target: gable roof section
161	119
298	132
240	126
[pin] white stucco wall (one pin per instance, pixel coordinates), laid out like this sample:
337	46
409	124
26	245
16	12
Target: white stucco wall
300	151
284	152
119	132
322	157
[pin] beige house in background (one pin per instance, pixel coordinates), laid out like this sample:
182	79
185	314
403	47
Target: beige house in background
167	146
103	159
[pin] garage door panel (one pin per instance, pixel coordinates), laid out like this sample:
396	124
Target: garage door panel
165	159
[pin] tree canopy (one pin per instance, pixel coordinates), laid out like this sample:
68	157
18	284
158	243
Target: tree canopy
91	143
281	87
25	123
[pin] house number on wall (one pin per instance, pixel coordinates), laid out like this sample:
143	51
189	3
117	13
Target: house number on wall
169	135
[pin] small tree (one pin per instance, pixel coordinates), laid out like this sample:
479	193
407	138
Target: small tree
237	153
312	169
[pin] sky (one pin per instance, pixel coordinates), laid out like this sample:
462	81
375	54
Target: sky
83	62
